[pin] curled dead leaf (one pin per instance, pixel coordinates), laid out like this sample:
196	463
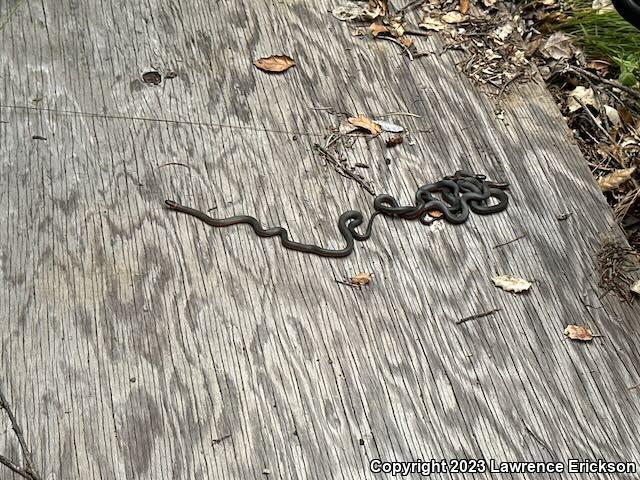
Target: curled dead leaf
361	278
406	41
365	123
377	28
275	63
453	17
378	6
558	46
615	179
511	283
389	126
396	26
429	23
576	332
580	96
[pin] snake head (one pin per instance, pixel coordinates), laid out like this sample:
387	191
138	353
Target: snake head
171	204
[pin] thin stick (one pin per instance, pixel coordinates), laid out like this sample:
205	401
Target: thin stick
28	471
510	241
507	83
346	173
600	127
397	42
398	114
174	163
477	315
596	78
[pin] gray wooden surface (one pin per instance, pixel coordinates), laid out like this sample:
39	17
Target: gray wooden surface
138	343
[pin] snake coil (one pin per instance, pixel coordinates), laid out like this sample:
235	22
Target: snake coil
460	194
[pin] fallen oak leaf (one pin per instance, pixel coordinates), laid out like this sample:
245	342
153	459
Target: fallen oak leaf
275	63
615	179
365	123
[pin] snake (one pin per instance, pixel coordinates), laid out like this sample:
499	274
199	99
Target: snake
460	193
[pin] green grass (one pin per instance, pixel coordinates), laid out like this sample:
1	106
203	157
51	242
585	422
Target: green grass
605	35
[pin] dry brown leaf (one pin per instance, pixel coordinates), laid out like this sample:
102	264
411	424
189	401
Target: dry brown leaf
393	141
576	332
615	179
406	41
580	96
378	5
464	6
511	283
429	23
453	17
396	26
366	123
275	63
377	28
361	279
558	46
435	213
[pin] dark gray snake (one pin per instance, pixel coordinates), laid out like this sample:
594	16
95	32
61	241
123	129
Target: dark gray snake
460	193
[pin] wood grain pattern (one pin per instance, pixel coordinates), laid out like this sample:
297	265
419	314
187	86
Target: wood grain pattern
139	343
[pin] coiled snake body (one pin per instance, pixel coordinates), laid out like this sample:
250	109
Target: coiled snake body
461	193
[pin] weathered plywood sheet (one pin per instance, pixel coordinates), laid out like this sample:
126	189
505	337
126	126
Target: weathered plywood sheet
138	343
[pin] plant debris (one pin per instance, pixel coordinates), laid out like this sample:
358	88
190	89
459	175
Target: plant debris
275	63
619	268
576	332
594	93
365	123
511	283
361	279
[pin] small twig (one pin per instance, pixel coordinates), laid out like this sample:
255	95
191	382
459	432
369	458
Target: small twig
510	241
507	83
597	78
174	163
419	33
215	441
397	42
28	471
540	442
634	386
595	121
348	284
477	315
397	114
341	170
